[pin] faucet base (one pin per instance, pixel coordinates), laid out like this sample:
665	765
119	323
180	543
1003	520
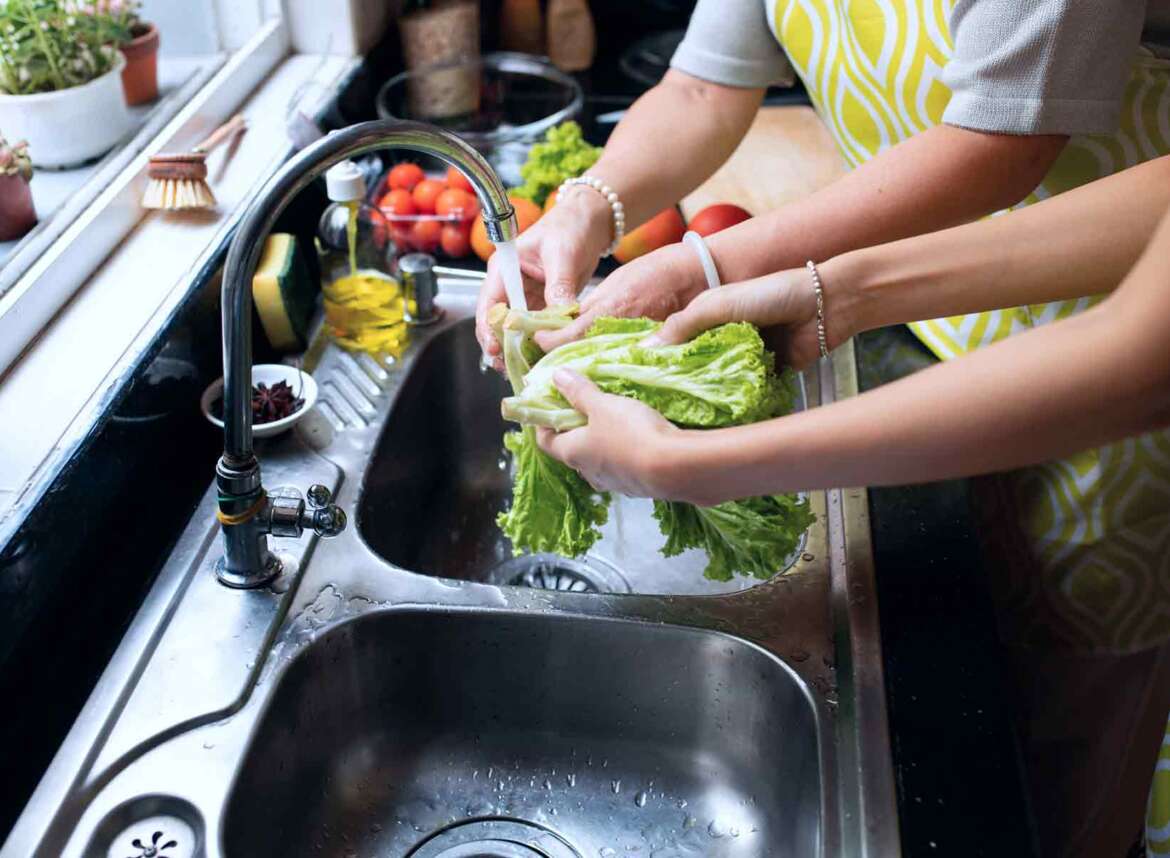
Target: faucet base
251	579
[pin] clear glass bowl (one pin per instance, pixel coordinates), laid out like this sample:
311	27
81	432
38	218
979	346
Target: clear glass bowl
500	103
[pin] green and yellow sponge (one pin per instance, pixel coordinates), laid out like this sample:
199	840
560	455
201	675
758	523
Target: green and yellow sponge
284	293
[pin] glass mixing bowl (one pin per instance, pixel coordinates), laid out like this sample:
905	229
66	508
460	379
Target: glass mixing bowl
500	103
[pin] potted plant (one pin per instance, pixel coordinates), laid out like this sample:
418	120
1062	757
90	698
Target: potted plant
140	77
60	78
17	215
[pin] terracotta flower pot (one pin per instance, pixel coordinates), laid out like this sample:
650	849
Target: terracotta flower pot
17	215
140	77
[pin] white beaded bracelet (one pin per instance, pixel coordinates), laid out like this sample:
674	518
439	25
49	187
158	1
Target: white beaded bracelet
619	211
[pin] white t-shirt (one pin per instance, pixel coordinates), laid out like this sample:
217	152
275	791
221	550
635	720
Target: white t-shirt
1019	67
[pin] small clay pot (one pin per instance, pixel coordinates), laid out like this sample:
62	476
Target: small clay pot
140	77
17	215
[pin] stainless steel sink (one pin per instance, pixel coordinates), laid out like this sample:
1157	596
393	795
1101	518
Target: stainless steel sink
400	729
406	689
438	478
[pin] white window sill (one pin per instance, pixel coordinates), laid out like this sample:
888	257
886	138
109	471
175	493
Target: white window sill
52	392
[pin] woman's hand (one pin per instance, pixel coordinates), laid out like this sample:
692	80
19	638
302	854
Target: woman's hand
602	452
654	285
557	256
782	305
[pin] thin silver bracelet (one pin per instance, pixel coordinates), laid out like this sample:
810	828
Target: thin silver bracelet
822	341
611	197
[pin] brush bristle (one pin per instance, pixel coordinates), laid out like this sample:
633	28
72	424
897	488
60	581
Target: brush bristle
174	194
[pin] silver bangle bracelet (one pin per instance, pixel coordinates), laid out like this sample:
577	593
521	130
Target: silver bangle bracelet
822	340
611	197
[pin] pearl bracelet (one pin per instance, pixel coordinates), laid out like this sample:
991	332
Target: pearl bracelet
822	340
619	211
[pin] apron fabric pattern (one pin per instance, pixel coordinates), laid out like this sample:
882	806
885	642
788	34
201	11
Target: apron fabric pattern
1096	526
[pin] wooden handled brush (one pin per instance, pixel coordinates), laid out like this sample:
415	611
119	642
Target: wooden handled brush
180	181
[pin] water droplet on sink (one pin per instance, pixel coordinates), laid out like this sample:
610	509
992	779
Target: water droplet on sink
571	779
641	798
616	785
207	746
716	829
547	783
607	852
682	802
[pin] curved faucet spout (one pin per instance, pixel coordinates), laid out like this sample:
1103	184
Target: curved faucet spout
246	555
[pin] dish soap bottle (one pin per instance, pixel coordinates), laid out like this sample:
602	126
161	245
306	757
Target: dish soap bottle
364	306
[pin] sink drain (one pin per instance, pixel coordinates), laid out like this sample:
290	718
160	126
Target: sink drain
552	572
150	826
498	837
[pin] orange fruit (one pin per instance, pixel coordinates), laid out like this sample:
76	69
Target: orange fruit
664	228
527	213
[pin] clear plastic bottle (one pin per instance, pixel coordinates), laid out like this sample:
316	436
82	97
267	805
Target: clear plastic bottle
364	306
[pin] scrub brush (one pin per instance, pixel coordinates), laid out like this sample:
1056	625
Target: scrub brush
180	181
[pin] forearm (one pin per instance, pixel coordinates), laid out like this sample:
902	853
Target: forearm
1068	386
939	178
671	140
1078	243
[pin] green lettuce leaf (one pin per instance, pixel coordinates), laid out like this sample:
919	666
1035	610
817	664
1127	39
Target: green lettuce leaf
554	509
723	377
564	154
753	536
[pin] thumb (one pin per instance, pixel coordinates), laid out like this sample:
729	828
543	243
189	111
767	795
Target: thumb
706	311
580	391
560	281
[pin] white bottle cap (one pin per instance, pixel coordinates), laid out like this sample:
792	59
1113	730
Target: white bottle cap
345	182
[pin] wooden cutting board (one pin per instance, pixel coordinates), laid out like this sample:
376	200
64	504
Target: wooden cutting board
786	155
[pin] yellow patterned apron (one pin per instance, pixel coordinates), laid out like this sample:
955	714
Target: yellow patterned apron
1094	529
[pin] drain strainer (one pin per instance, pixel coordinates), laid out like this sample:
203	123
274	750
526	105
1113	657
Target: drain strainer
150	826
496	837
552	572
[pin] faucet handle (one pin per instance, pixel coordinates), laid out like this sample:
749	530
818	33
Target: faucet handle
318	495
328	519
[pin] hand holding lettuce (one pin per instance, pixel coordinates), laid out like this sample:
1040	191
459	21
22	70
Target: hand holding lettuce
723	377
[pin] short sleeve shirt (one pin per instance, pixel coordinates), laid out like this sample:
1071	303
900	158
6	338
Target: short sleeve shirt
1018	67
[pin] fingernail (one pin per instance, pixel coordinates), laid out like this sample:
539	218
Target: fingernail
652	341
562	377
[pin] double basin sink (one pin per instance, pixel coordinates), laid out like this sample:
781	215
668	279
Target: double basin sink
411	689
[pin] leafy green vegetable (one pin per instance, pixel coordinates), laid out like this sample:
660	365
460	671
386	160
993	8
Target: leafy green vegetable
753	536
563	155
553	508
723	377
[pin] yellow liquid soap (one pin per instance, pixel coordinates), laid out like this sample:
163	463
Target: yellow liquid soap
364	309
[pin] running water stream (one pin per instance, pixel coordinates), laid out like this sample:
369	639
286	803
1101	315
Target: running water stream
510	271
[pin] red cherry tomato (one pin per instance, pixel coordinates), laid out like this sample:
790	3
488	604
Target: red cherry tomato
401	233
397	202
425	193
405	175
425	235
455	239
457	203
719	216
456	179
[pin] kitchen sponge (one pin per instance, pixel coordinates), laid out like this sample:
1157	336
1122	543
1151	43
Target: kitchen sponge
284	293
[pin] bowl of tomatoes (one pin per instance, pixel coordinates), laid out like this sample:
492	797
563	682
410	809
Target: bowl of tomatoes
426	212
438	213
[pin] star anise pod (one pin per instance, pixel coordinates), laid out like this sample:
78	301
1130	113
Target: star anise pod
273	403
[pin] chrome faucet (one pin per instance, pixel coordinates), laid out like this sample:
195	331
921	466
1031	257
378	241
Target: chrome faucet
247	514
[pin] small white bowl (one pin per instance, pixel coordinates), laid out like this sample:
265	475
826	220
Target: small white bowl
270	374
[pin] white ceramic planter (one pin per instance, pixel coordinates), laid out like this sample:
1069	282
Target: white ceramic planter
70	126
